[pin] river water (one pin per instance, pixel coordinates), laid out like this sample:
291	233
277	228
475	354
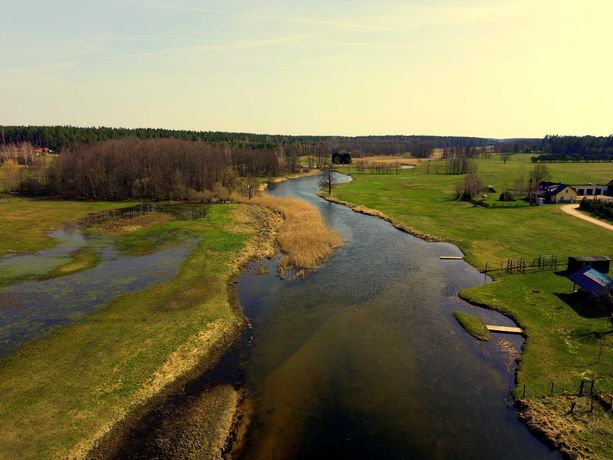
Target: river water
364	359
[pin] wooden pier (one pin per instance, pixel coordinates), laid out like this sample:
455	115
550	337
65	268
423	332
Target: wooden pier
504	329
451	257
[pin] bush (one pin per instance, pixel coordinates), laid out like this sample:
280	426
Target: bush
601	208
506	196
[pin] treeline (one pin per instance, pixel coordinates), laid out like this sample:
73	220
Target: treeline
153	169
60	138
576	148
418	146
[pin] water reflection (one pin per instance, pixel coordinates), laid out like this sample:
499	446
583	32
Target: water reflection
363	359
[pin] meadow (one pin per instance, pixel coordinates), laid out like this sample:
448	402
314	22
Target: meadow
422	200
64	391
26	222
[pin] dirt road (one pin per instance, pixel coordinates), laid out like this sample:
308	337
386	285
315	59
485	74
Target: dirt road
573	210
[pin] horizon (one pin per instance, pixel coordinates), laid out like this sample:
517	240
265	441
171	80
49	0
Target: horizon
466	68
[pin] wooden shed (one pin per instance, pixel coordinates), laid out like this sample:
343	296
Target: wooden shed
600	263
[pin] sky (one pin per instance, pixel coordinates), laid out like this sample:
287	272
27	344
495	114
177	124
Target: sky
489	68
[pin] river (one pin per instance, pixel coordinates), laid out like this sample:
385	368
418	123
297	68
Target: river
363	359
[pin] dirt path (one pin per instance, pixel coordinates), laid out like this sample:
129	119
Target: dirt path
573	210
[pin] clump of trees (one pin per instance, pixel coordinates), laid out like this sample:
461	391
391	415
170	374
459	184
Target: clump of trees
576	148
471	186
22	153
459	165
153	169
601	208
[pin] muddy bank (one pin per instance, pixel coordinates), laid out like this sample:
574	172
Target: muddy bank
209	413
565	421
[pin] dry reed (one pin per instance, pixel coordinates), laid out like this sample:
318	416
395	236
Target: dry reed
305	239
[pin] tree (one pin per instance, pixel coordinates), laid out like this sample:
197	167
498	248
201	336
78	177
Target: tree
472	185
505	156
539	173
328	179
9	176
251	186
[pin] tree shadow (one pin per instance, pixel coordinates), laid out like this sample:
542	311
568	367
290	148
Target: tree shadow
587	305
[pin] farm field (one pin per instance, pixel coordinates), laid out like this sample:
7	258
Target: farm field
426	202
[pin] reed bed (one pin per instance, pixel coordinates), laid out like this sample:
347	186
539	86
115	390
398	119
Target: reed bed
305	239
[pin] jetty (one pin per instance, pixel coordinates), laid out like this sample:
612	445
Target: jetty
504	329
451	257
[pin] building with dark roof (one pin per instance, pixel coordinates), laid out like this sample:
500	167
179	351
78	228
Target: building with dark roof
553	192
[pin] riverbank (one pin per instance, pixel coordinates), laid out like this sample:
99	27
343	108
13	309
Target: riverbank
565	342
67	390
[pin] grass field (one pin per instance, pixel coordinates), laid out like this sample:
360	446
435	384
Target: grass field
27	222
426	202
62	392
567	340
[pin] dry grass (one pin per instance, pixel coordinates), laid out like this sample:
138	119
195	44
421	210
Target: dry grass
130	224
387	160
583	432
304	237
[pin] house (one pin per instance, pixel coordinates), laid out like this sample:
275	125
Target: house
551	192
591	189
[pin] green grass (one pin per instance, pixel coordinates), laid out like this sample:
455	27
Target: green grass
27	222
426	202
473	325
64	388
83	259
567	342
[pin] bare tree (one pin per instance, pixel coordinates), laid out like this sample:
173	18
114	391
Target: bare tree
539	173
472	185
328	179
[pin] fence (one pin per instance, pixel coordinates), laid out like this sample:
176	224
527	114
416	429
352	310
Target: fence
585	389
523	265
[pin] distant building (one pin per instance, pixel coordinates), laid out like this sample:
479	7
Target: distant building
591	189
341	157
551	192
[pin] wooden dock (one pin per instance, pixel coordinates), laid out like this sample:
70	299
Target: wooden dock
451	257
504	329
